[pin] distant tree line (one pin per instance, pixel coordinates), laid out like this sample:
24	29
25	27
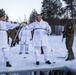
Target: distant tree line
54	13
54	10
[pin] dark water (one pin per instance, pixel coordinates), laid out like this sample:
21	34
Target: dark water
50	72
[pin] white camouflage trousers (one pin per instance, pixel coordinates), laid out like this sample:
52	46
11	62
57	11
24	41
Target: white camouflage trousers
24	48
38	52
6	53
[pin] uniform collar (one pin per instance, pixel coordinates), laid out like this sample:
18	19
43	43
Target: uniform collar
40	21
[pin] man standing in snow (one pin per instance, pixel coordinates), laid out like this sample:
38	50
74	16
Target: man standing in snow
4	26
68	33
40	38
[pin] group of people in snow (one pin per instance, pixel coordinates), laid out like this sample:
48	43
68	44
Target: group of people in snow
41	29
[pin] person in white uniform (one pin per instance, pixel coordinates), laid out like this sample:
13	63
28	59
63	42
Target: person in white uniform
24	36
4	26
40	38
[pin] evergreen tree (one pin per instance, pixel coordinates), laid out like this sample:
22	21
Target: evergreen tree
52	8
32	16
71	7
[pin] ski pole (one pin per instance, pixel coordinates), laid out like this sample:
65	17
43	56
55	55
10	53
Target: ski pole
18	31
52	53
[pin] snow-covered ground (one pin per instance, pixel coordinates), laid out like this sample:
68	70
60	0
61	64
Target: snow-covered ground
56	49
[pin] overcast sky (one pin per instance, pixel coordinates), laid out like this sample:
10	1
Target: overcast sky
19	8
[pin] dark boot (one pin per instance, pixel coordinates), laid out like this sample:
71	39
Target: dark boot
8	64
20	53
37	63
26	53
70	55
67	59
48	62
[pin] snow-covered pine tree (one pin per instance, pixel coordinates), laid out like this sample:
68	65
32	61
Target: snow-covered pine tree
52	8
32	16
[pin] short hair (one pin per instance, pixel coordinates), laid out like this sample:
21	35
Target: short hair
38	15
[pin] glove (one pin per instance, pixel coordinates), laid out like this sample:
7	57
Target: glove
49	32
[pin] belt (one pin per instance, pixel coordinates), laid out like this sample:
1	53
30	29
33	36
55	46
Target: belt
39	28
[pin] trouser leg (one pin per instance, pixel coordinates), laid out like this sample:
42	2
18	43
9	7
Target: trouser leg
37	53
6	56
26	48
22	47
70	53
46	53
